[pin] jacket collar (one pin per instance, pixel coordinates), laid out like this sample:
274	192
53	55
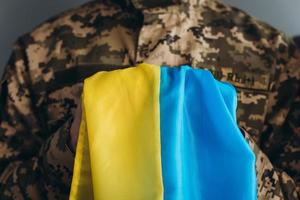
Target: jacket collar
148	4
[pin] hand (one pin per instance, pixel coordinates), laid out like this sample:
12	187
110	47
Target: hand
74	130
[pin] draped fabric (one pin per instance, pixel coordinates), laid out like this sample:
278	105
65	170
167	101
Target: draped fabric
161	133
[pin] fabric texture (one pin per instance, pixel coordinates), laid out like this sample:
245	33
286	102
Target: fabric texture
171	134
41	84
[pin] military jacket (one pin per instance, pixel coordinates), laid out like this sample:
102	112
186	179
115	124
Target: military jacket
42	80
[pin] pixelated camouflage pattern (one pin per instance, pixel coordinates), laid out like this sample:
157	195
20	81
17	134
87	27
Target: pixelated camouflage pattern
41	84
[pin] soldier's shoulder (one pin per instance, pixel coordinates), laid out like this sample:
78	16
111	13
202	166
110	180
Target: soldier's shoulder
249	27
75	22
55	44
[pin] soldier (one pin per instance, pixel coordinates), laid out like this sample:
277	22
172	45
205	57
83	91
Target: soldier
41	85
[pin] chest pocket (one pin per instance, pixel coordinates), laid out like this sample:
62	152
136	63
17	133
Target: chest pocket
253	92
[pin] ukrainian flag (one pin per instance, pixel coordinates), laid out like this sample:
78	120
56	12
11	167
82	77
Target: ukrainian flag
161	133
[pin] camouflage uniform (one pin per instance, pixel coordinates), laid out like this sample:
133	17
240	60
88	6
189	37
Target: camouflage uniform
41	82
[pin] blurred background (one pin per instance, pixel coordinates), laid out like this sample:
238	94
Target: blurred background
18	17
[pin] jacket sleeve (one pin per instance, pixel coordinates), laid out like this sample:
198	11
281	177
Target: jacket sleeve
31	167
272	183
278	149
281	136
